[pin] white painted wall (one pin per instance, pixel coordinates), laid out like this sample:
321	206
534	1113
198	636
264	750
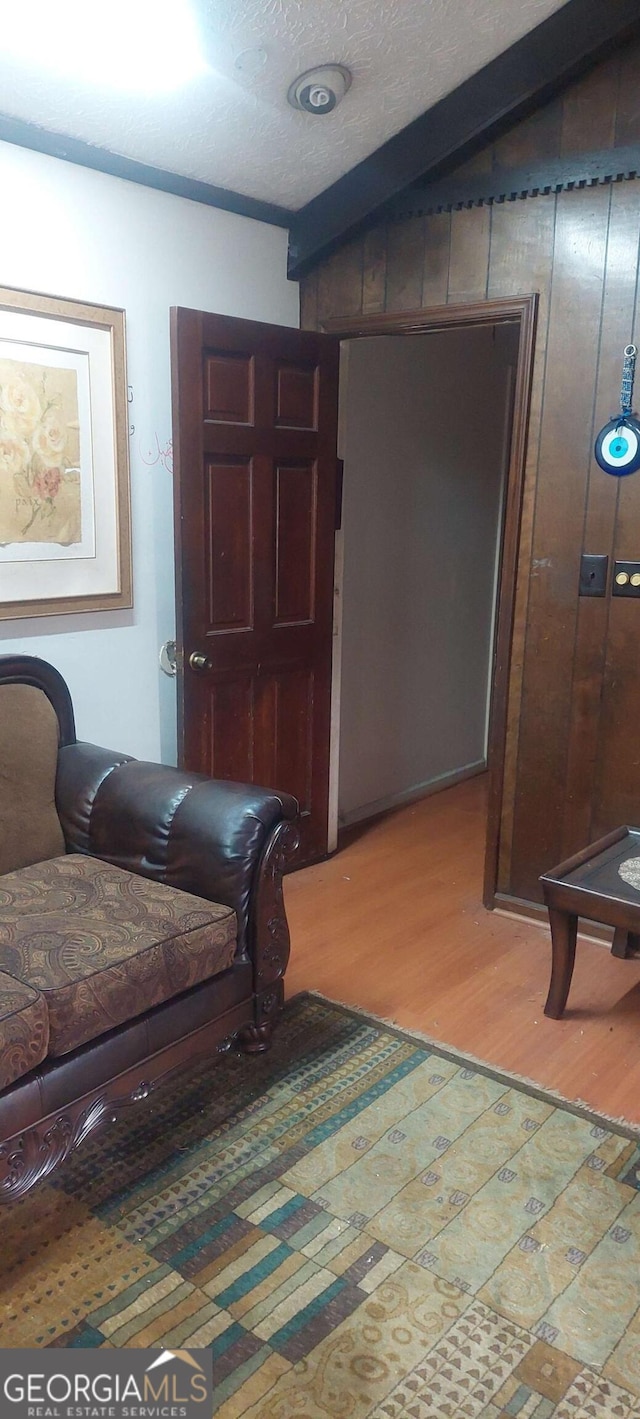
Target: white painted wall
424	448
67	231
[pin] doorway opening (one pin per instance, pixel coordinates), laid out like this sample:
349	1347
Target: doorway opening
433	432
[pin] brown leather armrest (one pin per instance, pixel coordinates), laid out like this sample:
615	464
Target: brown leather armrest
204	835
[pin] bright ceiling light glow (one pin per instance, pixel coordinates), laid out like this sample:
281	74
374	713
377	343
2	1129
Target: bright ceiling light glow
143	46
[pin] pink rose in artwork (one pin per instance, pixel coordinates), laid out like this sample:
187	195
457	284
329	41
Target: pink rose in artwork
47	482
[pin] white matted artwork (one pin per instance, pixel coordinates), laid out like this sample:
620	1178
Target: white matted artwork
64	472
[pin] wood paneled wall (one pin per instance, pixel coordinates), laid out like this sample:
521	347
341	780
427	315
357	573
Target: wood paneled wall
573	745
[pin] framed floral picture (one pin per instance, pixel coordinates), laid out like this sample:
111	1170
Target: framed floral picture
65	538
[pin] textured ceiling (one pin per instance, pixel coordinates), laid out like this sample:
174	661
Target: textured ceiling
237	130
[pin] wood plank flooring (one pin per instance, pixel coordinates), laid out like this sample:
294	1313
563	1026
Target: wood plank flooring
394	923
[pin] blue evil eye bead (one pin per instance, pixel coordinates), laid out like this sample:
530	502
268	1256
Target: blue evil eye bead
617	447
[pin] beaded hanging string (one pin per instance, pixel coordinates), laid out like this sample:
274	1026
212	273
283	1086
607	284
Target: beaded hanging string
628	377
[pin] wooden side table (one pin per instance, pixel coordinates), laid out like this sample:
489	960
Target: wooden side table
590	885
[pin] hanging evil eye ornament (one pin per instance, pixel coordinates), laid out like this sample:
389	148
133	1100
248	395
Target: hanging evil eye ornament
617	447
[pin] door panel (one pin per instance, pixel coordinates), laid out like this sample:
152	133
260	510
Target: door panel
283	740
229	388
297	397
226	749
255	414
228	549
296	507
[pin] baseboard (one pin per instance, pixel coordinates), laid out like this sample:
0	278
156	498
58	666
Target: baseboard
409	795
536	915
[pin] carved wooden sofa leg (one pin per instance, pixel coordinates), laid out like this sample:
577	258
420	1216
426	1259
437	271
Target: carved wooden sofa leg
256	1038
271	943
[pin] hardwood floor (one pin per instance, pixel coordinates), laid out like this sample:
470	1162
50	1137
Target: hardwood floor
394	923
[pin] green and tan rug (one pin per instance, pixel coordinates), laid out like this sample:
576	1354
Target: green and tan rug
357	1224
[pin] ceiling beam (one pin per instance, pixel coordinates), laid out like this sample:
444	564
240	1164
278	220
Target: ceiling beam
542	175
87	155
526	75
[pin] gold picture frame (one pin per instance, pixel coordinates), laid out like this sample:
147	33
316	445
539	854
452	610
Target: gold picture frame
65	520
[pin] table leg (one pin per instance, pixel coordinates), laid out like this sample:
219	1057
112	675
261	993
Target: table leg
564	930
620	944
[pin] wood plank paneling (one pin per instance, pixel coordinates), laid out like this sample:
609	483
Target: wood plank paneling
575	672
469	255
522	241
616	793
405	258
582	792
374	276
628	111
340	282
618	775
437	248
538	136
309	301
480	162
521	258
617	788
565	449
589	110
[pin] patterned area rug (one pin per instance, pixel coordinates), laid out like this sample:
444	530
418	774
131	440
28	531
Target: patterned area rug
357	1224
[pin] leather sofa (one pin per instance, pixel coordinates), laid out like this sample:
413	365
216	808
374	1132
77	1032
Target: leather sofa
142	924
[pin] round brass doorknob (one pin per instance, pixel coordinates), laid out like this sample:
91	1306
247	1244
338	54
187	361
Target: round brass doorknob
199	662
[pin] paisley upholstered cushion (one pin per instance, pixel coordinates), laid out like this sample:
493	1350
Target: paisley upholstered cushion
24	1029
29	824
103	945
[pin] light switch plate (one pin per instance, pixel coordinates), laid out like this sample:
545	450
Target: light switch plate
593	574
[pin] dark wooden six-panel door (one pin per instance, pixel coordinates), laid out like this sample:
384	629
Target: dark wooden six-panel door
255	419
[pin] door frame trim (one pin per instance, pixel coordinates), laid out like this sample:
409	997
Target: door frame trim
488	312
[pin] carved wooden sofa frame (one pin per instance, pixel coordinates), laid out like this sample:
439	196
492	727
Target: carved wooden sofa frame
233	844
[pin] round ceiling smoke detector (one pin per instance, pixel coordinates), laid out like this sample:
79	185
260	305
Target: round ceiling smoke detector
320	90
